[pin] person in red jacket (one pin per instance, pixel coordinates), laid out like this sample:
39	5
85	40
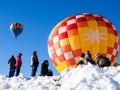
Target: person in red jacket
18	63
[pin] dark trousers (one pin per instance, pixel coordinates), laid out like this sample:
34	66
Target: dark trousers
11	72
17	70
34	70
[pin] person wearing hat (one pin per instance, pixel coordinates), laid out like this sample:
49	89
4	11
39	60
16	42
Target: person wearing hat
88	58
34	63
18	63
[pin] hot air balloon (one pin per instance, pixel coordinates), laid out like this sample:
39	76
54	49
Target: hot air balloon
80	33
16	28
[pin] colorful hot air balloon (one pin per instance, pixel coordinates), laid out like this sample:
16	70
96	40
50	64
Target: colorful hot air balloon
80	33
16	28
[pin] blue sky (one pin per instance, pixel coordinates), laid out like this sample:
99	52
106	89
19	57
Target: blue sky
38	18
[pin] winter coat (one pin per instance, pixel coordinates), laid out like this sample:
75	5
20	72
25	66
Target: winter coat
89	59
12	62
102	61
44	68
34	60
18	61
50	73
81	61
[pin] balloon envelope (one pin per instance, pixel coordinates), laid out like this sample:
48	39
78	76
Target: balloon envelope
16	28
78	34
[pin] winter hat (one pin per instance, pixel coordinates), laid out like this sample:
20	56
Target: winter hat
88	52
34	52
45	60
20	54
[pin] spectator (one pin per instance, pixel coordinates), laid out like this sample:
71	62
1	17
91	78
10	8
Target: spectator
102	61
11	63
88	58
81	61
44	69
18	63
34	63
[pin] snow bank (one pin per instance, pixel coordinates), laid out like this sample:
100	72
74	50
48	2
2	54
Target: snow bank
84	77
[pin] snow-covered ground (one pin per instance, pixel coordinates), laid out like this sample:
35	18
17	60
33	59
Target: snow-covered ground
84	77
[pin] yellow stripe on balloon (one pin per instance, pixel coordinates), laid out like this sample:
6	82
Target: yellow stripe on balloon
102	29
65	64
64	42
111	40
92	24
74	42
60	66
95	49
103	49
116	39
83	30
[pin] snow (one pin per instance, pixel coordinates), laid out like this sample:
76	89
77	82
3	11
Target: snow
84	77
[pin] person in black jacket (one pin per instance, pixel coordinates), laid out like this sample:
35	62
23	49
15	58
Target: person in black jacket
88	58
44	69
11	63
34	63
81	60
102	61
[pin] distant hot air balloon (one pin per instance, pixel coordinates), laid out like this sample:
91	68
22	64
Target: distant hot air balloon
16	28
80	33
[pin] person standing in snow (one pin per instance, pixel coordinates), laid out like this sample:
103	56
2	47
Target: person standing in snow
11	63
18	63
81	60
34	63
88	58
